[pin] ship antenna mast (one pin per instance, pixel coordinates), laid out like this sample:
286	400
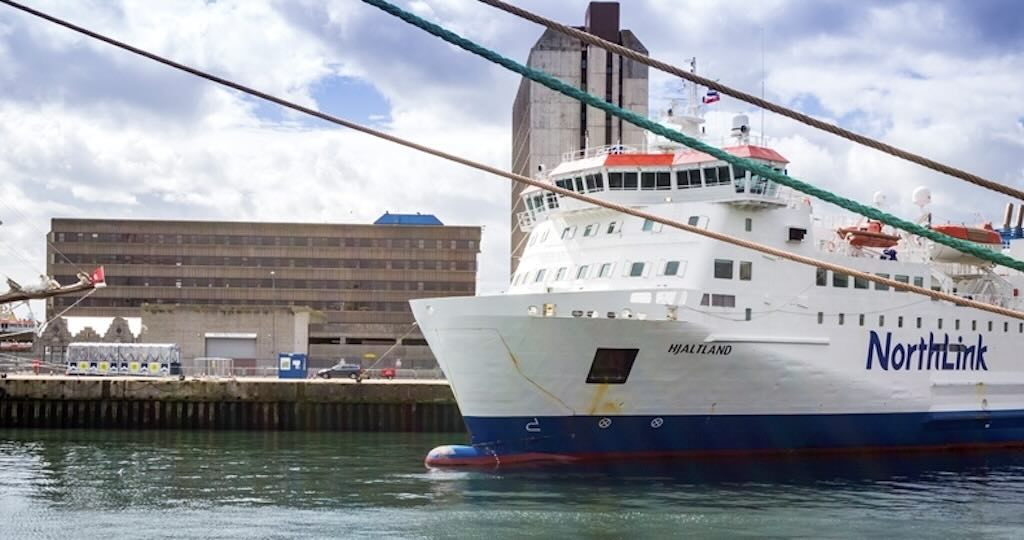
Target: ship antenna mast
692	107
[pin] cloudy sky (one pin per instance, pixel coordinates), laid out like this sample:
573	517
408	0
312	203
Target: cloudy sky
90	131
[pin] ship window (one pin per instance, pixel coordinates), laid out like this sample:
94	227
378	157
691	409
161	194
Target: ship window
540	276
919	322
723	269
647	226
560	274
629	181
860	319
594	183
605	270
747	313
579	184
705	300
636	269
882	286
821	317
956	324
821	277
860	283
647	181
748	224
693	221
611	366
664	180
881	321
688	179
739	175
902	279
568	232
722	173
1006	326
533	240
552	200
613	227
974	326
711	176
918	281
672	268
990	326
591	230
842	317
939	324
582	272
723	300
899	321
614	181
543	237
746	270
1020	328
840	280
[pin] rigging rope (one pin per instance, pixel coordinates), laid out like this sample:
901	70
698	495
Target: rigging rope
756	101
654	127
809	261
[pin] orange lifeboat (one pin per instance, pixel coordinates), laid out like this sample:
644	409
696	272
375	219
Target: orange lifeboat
984	236
869	235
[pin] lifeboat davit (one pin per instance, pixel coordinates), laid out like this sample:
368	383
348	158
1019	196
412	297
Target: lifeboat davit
984	236
868	235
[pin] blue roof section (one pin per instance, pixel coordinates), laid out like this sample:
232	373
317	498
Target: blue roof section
407	219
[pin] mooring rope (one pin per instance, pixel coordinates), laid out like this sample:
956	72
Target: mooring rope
654	127
809	261
754	100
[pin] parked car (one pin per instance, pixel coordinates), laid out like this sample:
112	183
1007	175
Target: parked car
342	370
387	373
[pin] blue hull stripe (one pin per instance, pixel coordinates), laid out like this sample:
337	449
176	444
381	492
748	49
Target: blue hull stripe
584	435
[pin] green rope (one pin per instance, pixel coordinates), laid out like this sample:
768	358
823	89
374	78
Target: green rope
654	127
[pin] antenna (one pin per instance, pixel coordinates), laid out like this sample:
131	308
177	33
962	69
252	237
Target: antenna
764	75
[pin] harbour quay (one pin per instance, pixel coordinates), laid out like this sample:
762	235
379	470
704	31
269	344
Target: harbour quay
254	403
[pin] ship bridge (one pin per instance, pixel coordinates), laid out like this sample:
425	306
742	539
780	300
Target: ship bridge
623	175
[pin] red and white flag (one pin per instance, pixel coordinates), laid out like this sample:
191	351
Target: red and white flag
97	278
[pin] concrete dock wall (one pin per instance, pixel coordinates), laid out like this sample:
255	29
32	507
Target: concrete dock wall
127	403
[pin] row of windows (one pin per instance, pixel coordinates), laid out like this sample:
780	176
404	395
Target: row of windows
658	181
270	283
594	229
843	281
597	271
266	262
919	322
387	307
247	240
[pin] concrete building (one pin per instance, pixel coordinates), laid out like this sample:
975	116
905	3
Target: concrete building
360	277
546	124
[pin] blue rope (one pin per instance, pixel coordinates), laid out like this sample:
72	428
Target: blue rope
654	127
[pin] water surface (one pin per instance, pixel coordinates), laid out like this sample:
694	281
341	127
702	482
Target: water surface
169	484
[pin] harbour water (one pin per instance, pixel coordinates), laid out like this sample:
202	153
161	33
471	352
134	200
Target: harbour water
180	484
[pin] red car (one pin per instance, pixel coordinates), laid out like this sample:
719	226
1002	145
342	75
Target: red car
388	373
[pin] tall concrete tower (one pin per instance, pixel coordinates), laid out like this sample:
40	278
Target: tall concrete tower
546	124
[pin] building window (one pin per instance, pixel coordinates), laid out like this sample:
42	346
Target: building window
746	270
605	270
723	269
582	272
636	269
560	274
672	268
821	277
611	366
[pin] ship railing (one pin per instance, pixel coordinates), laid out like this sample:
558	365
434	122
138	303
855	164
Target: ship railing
596	151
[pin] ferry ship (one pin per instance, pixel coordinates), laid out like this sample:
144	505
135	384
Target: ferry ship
620	338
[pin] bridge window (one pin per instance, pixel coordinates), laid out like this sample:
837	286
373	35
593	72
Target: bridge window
611	366
605	270
552	200
647	181
746	270
636	269
663	180
739	175
582	272
723	269
716	176
688	179
579	184
672	268
629	181
595	182
614	181
560	274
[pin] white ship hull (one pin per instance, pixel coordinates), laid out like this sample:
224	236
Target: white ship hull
704	384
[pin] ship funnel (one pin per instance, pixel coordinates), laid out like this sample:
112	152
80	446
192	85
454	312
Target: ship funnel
1007	216
741	128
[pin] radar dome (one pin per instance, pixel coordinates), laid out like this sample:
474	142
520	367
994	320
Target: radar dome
879	199
922	196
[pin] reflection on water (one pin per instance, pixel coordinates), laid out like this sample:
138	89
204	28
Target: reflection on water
104	484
